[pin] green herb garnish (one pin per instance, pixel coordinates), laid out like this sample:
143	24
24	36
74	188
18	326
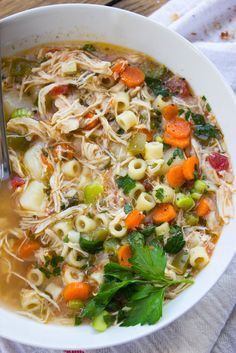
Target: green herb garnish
89	47
126	183
127	208
177	153
160	194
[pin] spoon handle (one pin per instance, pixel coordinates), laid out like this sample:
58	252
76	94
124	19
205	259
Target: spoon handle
5	170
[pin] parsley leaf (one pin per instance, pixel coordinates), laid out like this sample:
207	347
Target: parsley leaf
121	273
148	230
51	266
160	194
145	311
177	153
198	119
157	87
89	47
126	183
136	238
127	208
175	243
205	132
148	263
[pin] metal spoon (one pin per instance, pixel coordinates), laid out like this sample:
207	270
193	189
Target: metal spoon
8	217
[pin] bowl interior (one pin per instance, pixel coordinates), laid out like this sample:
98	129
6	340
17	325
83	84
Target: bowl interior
97	23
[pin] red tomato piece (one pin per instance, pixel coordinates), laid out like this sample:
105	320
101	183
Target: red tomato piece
218	161
56	91
17	181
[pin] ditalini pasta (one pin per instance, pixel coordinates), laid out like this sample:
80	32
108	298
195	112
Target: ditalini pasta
121	182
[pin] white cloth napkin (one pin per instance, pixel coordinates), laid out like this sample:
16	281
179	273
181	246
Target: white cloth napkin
209	327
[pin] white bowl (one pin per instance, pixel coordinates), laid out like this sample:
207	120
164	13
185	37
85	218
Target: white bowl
98	23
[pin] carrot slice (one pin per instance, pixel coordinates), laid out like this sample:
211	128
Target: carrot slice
176	142
119	67
163	212
77	290
124	254
170	112
175	176
63	150
178	128
134	219
91	124
148	133
132	76
28	248
189	166
203	207
46	162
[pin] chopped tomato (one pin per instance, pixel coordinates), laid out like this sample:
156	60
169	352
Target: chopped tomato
17	181
218	161
179	86
56	91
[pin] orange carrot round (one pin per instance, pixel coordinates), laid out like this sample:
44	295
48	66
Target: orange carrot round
178	128
203	207
132	76
189	166
124	254
176	142
134	219
164	212
170	112
77	290
28	248
119	67
175	176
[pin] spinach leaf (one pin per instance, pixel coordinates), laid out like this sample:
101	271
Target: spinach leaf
91	246
157	86
205	132
127	208
175	243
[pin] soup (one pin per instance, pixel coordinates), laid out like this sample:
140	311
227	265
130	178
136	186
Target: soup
121	181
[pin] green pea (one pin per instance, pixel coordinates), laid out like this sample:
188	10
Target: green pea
75	304
192	220
200	186
181	261
91	192
184	201
99	323
137	144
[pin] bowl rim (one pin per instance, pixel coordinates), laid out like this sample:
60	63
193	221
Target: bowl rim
229	92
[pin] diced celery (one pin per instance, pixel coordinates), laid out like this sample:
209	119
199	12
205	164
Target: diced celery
159	139
200	186
99	323
75	304
20	112
184	201
137	144
111	245
100	234
69	68
92	192
195	195
192	220
181	261
163	229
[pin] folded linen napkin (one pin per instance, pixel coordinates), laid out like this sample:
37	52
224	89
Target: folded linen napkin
209	327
